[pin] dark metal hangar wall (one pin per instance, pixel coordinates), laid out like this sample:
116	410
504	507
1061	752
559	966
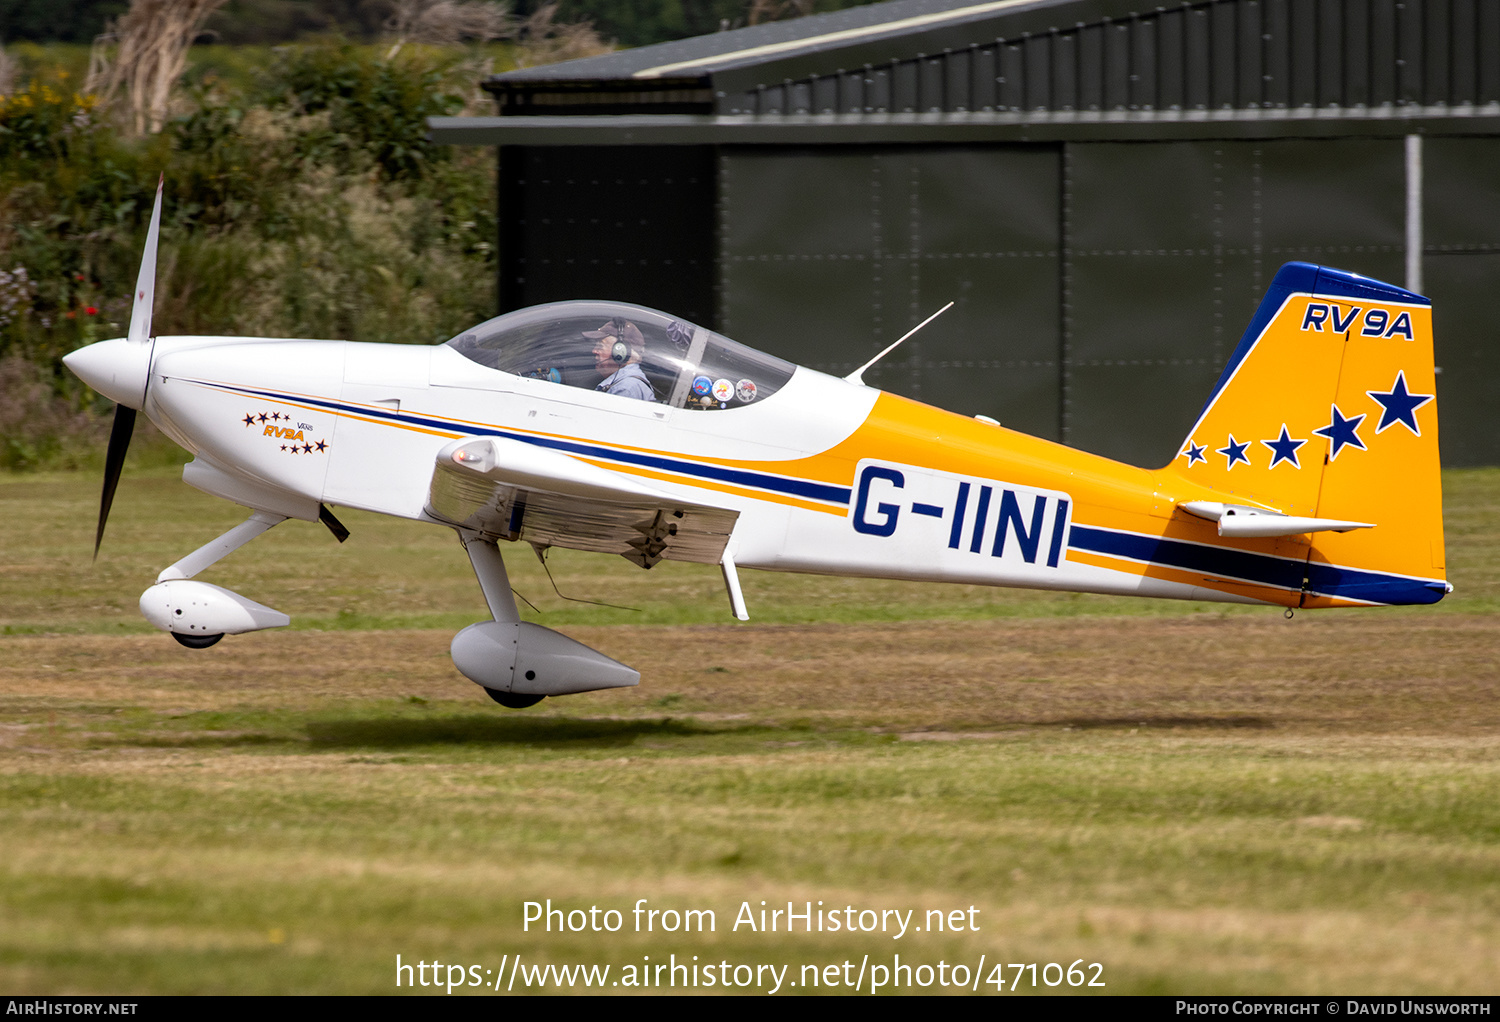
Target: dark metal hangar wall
1105	194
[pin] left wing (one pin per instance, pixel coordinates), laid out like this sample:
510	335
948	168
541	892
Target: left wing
512	490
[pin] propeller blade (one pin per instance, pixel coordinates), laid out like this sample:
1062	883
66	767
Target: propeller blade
145	285
139	333
114	462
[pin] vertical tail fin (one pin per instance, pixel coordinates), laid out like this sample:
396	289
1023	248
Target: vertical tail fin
1327	410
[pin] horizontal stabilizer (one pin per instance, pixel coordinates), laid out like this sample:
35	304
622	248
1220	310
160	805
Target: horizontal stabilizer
1237	520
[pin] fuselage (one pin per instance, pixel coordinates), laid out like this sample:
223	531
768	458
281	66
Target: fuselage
827	476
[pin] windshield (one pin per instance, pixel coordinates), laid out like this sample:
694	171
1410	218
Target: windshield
628	351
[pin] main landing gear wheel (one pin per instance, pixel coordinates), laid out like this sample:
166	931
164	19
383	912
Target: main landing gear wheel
513	700
197	641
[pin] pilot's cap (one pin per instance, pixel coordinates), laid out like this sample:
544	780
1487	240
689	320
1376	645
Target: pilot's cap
625	331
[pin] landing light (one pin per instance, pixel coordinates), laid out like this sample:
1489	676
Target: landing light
480	460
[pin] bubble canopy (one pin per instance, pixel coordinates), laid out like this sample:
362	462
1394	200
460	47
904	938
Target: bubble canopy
584	344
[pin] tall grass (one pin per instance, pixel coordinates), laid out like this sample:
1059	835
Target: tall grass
302	200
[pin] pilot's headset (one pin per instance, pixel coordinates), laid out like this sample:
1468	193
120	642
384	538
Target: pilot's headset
619	352
621	329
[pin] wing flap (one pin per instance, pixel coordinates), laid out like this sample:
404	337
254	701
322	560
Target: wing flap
513	490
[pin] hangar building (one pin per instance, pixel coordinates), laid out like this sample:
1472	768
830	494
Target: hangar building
1104	187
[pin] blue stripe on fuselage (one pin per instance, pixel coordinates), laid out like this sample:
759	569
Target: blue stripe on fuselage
1261	569
739	477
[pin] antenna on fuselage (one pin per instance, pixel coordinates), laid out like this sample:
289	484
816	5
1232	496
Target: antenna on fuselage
858	375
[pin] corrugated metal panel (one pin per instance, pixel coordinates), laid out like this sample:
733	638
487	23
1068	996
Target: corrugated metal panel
826	258
1208	55
1461	213
1465	75
1409	52
1468	359
627	222
1487	43
1383	70
1159	282
1251	64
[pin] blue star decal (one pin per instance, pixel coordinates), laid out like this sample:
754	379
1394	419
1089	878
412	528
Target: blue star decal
322	445
261	417
1234	452
1398	405
249	420
1342	432
1284	448
1194	453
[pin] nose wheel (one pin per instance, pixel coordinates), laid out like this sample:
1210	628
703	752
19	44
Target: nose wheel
511	700
197	641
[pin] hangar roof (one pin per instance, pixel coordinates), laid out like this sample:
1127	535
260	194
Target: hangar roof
760	44
680	76
950	70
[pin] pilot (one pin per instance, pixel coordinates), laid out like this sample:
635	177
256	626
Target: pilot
618	347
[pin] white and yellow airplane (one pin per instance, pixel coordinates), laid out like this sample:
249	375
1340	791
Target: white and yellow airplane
1309	480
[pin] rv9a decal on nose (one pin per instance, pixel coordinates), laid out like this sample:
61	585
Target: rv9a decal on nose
978	526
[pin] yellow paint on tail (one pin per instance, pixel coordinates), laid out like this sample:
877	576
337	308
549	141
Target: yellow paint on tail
1328	410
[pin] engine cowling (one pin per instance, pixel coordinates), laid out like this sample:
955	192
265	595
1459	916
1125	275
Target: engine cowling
201	609
529	659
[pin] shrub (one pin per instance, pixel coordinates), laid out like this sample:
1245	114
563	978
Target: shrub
38	426
377	108
45	119
306	201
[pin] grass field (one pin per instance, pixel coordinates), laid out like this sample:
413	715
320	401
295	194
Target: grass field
1200	798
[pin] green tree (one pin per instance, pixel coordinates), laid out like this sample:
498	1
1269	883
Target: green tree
64	21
